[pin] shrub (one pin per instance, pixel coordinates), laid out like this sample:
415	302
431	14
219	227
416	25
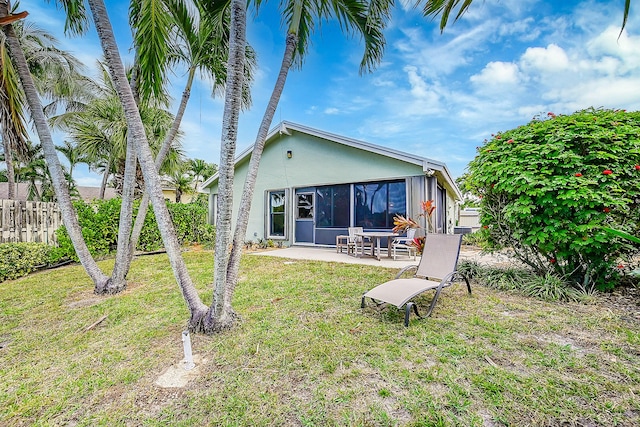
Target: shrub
477	238
21	258
550	187
99	221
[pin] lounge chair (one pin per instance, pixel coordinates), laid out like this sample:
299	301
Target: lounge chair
439	261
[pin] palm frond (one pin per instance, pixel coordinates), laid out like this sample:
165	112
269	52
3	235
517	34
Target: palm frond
433	8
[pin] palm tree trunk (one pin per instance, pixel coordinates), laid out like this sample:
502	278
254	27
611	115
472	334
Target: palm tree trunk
221	315
103	184
121	266
69	216
11	174
162	154
105	33
250	181
124	251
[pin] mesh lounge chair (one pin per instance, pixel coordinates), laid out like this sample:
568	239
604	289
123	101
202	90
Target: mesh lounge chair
439	261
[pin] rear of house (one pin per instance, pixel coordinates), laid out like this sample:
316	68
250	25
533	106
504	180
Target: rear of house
313	185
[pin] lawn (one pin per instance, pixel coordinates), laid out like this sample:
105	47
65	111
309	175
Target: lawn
305	354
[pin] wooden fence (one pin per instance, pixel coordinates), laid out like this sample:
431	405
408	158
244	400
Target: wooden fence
23	221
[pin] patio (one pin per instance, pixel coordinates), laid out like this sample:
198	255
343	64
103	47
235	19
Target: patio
330	255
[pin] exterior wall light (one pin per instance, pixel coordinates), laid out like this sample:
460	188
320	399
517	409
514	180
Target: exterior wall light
289	154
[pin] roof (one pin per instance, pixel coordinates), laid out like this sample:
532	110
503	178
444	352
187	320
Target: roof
429	166
87	193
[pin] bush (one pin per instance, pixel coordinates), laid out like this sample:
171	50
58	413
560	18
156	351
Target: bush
21	258
99	221
550	187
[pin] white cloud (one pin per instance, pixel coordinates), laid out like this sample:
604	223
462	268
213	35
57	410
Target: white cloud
498	74
331	111
611	43
550	59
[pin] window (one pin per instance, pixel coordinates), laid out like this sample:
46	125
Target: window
277	210
332	206
305	206
376	203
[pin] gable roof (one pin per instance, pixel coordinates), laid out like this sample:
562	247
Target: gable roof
429	166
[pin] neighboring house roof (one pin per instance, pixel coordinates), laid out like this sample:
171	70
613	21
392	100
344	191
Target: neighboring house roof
429	166
86	193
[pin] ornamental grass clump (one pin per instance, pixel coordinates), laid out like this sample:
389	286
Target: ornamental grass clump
550	188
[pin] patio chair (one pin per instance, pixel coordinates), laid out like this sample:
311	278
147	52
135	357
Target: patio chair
439	261
354	243
404	244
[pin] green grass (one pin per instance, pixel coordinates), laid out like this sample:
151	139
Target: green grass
305	354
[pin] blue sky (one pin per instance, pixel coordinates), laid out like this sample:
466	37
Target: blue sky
435	95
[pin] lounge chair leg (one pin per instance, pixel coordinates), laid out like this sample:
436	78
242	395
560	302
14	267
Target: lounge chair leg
362	304
433	301
407	313
468	285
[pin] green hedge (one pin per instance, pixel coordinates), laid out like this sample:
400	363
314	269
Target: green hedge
22	258
99	222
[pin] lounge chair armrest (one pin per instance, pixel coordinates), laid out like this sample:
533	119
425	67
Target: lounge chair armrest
405	269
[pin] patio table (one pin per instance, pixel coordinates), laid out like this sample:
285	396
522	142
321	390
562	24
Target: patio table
377	236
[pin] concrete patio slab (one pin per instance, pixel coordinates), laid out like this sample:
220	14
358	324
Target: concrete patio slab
330	255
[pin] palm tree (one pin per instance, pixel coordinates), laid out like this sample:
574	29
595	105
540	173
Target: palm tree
221	315
73	156
202	48
99	132
145	157
55	75
182	183
12	122
200	170
366	18
55	169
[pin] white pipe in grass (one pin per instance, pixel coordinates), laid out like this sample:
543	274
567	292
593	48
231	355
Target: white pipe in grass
188	355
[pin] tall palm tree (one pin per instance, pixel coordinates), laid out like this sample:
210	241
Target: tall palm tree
145	157
362	17
55	169
221	315
55	74
13	131
202	47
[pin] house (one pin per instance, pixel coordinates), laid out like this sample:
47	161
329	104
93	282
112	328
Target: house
312	185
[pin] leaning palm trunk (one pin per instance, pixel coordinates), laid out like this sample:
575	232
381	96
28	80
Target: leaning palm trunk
123	258
143	152
221	315
162	154
256	154
124	253
55	169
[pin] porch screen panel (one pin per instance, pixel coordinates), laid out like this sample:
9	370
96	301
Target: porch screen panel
332	206
376	203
